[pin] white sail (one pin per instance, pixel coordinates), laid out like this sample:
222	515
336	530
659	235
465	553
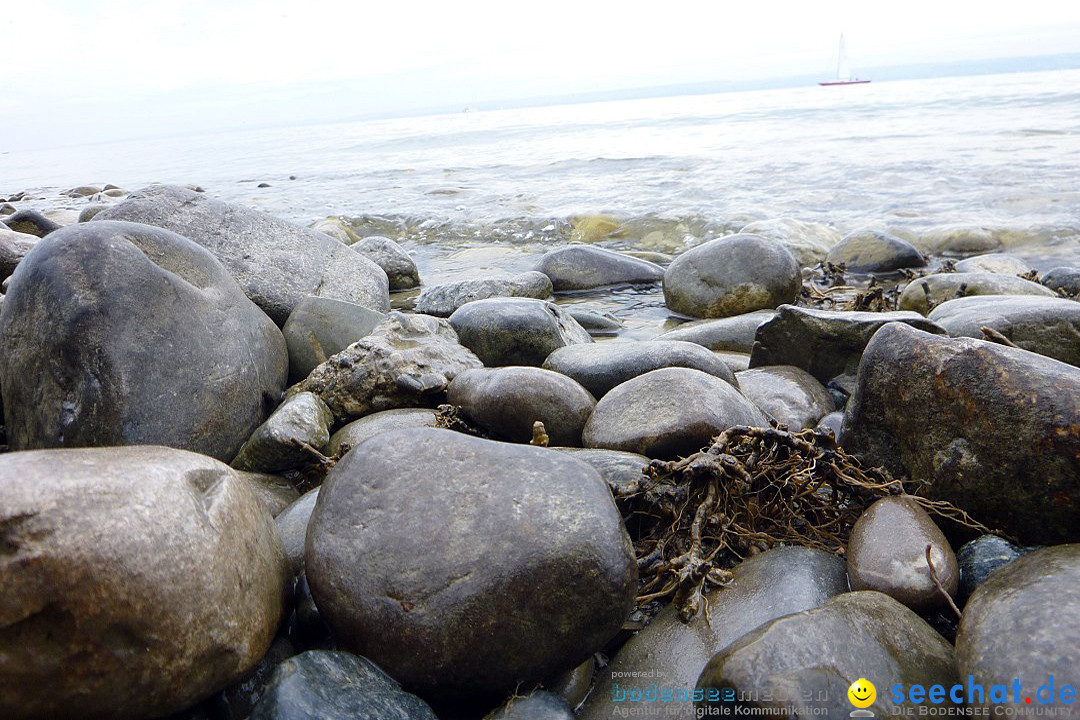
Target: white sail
843	67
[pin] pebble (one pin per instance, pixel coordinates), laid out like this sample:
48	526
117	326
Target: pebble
789	395
443	300
278	444
994	263
400	268
872	251
515	331
583	267
981	557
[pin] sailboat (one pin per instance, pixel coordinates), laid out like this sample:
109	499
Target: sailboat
843	70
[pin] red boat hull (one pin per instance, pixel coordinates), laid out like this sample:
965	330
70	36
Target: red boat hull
845	82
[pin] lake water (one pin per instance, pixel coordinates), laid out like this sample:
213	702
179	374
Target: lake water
474	191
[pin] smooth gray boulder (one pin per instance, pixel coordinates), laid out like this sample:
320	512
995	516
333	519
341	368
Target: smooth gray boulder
277	444
125	334
994	263
582	267
399	267
730	334
668	413
319	328
371	425
825	343
292	523
508	400
923	293
336	685
443	300
406	361
1023	623
775	583
137	581
872	251
887	552
730	276
819	653
276	262
1063	279
515	331
1044	325
992	429
788	394
466	566
599	367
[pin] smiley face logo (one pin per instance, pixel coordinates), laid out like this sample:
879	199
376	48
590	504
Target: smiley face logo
862	693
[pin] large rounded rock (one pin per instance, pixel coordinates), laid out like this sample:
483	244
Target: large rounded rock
581	267
515	331
124	334
667	413
399	267
730	334
992	429
443	300
671	653
276	262
887	553
871	251
136	581
406	361
1024	623
1044	325
788	394
730	276
825	343
809	659
923	293
335	685
319	328
466	566
508	400
601	366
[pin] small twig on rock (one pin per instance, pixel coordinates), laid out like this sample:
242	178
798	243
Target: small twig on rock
937	582
994	336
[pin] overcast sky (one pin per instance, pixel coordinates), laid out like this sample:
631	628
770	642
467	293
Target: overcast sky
77	70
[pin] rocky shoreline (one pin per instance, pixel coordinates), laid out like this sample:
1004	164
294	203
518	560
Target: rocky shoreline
260	470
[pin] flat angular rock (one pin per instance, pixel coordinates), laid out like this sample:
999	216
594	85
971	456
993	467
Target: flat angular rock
730	276
443	300
137	581
1024	623
937	289
808	242
125	334
825	343
404	362
581	267
994	263
448	558
730	334
515	331
508	400
788	394
369	426
1044	325
871	251
277	444
399	267
668	413
887	553
819	653
992	429
319	328
335	685
276	262
600	367
767	586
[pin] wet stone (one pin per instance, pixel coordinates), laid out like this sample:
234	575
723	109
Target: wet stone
872	251
31	222
994	263
921	293
602	366
399	267
1063	279
730	334
443	300
515	331
789	395
278	444
369	426
292	525
621	470
981	557
582	267
887	553
596	322
319	328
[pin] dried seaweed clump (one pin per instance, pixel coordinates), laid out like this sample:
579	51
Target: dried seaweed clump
752	489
